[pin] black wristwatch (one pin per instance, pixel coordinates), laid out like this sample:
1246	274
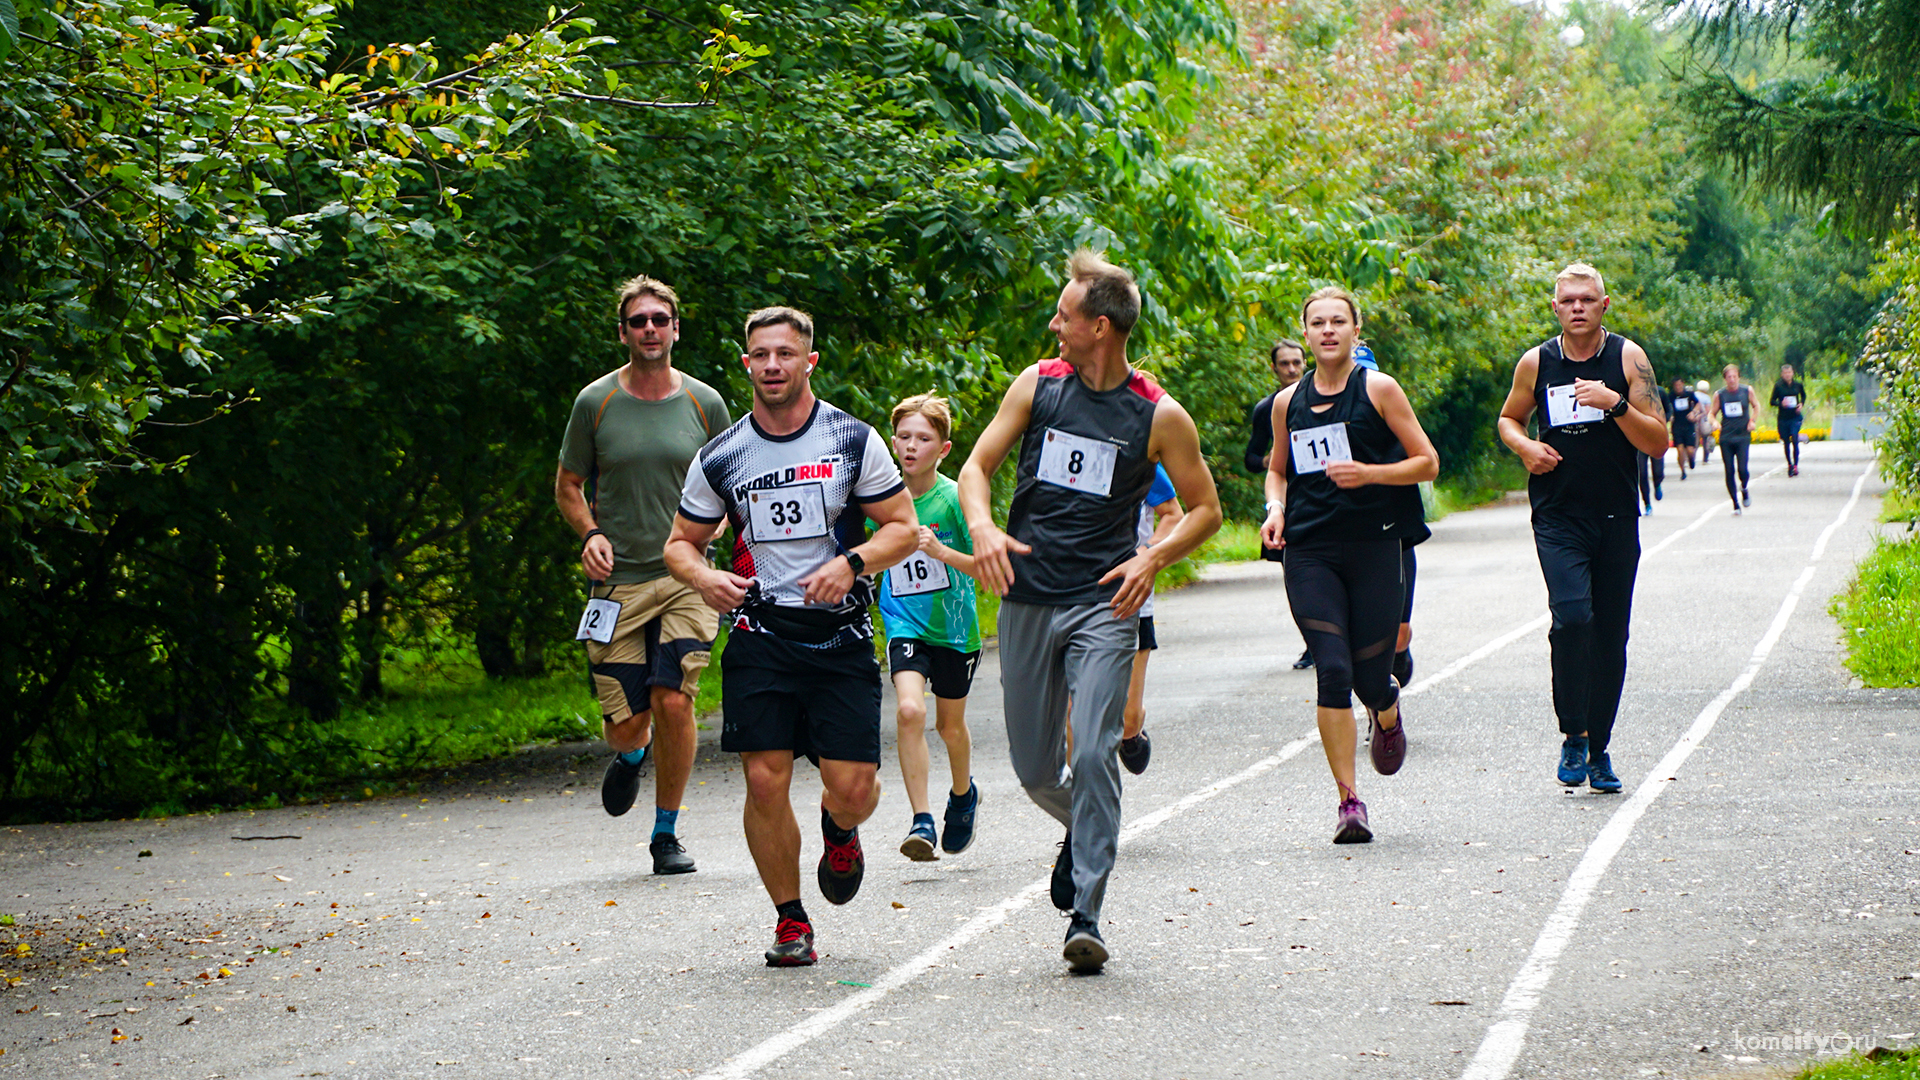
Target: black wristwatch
1619	408
591	533
855	563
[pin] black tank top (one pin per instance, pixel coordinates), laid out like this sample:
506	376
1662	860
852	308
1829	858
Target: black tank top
1595	477
1733	428
1317	509
1078	442
1681	404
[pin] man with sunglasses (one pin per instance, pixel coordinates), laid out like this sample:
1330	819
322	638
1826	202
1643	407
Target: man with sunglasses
632	434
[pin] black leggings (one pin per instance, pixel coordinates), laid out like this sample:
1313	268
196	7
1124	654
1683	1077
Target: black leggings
1790	441
1653	473
1342	593
1733	453
1589	565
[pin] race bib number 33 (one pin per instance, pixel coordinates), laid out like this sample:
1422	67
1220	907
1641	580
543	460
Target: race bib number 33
1077	462
794	512
920	573
1314	448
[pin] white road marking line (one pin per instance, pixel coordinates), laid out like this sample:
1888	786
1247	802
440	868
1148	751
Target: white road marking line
1504	1039
766	1053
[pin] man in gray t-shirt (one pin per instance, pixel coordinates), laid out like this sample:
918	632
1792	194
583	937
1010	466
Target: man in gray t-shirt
628	443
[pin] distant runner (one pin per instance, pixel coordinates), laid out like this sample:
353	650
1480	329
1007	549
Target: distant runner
1789	399
1684	408
1288	359
1734	407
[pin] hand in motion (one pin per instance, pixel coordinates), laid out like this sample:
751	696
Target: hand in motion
829	584
1136	584
723	591
990	549
1538	457
596	558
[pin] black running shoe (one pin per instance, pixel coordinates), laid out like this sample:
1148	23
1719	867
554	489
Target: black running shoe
1135	752
792	945
1084	952
1061	887
842	866
1305	661
668	856
962	811
620	786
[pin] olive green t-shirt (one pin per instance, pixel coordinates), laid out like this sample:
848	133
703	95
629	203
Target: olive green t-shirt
635	455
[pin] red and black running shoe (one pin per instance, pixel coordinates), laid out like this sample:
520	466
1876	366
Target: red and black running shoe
792	944
841	868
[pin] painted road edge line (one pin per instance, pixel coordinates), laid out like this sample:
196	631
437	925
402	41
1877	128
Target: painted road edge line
1501	1046
755	1058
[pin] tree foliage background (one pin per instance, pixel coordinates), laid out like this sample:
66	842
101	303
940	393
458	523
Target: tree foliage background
297	297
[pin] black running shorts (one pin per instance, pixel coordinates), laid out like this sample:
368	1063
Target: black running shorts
818	703
948	671
1147	640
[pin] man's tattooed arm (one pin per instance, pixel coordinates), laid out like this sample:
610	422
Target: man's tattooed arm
1644	393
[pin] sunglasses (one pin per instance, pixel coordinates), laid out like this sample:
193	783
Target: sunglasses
659	318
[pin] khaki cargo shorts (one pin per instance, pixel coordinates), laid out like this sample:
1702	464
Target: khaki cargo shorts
664	637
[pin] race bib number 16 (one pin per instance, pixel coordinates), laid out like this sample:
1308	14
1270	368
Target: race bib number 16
920	573
1074	461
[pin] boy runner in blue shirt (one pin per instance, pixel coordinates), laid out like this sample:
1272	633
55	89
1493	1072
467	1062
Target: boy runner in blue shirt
933	629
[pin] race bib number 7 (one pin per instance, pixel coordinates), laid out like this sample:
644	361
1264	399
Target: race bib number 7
920	573
1314	448
1077	462
1563	409
794	512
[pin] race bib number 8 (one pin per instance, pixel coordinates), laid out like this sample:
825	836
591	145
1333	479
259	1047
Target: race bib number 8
794	512
1735	409
1563	409
1076	462
920	573
1315	448
598	621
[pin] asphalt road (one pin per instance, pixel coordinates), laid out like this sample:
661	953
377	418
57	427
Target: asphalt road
1750	901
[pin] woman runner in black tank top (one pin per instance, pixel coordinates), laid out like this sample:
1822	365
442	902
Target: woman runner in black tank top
1735	404
1347	449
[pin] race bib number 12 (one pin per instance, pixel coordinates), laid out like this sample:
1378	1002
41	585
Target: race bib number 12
794	512
598	621
1314	448
1076	462
920	573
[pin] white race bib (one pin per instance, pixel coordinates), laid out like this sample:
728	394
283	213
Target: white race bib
918	573
598	621
1733	409
1315	447
794	512
1077	462
1562	409
1789	402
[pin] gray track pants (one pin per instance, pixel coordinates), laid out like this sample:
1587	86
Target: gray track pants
1046	655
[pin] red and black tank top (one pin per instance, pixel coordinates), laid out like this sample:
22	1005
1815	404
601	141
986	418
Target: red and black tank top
1083	471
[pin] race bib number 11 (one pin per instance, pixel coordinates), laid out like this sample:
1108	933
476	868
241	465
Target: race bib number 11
1314	448
1076	462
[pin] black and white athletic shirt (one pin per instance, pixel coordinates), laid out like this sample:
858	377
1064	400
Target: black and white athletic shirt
793	501
1083	471
1596	474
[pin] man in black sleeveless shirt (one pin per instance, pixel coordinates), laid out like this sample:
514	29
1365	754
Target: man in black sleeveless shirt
1288	358
1597	402
1090	430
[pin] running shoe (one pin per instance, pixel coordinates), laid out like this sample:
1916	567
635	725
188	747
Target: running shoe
1793	470
958	834
842	866
1573	760
1745	499
620	786
1656	493
918	845
792	944
1134	752
1084	952
1305	661
668	856
1353	823
1600	774
1387	747
1736	509
1061	887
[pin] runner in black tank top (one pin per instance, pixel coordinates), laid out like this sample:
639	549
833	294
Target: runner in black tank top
1090	429
1347	450
1681	404
1735	404
1596	402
